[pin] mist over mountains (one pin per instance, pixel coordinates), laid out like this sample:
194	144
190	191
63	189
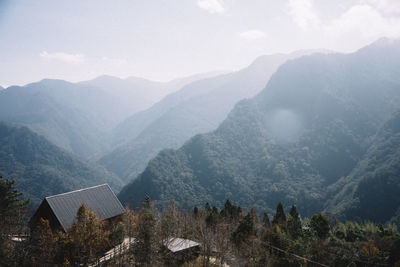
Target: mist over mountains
79	116
198	107
313	128
200	133
136	94
71	116
310	128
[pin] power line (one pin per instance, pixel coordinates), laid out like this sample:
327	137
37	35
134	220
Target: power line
294	255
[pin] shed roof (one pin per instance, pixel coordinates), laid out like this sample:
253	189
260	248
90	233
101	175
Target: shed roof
100	199
177	244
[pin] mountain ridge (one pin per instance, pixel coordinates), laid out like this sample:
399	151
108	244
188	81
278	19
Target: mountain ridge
309	127
41	169
197	108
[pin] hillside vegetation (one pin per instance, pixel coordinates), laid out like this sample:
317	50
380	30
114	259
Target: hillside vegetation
374	184
41	169
198	107
309	128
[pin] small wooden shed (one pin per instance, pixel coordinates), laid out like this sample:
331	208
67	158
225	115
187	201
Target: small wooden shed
181	250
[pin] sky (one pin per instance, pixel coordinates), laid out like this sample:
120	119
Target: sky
161	40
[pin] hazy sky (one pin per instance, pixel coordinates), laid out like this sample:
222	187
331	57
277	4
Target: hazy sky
166	39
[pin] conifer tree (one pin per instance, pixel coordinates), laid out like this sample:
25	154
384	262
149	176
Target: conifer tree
146	247
279	217
12	213
245	230
294	223
266	221
230	211
320	225
195	211
213	217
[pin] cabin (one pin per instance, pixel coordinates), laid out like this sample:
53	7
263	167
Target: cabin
60	210
181	250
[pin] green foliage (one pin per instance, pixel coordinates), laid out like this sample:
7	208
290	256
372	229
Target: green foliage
266	221
279	217
374	183
117	234
294	223
320	225
198	107
41	169
213	217
295	142
246	242
145	249
12	214
230	211
245	230
72	116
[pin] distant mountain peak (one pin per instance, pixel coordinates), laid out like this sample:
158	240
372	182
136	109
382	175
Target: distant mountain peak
103	78
50	82
385	41
140	79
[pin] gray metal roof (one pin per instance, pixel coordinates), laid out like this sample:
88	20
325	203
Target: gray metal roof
177	244
100	199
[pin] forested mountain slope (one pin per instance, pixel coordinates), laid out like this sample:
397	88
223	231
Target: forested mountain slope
197	108
308	128
72	116
41	169
371	191
79	116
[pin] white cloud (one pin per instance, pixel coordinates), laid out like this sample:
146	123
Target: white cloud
303	14
252	35
212	6
65	57
365	18
386	6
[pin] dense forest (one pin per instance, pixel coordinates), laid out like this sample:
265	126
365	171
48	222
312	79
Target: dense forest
374	183
303	134
198	107
42	169
227	235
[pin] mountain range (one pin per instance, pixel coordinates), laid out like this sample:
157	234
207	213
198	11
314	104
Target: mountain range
323	134
79	116
317	128
198	107
135	94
